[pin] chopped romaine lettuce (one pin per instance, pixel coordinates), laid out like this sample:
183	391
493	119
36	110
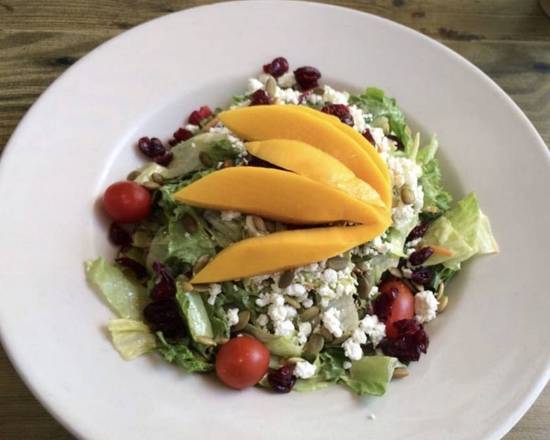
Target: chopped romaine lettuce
371	375
284	346
131	338
195	314
464	230
126	297
183	356
147	170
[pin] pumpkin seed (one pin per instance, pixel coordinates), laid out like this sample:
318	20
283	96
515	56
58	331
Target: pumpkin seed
211	123
400	372
259	224
338	262
205	340
286	279
133	175
294	360
309	314
185	285
315	322
443	303
228	163
292	302
395	272
271	87
220	340
141	239
407	195
205	159
383	123
190	224
157	178
363	289
315	344
244	317
269	226
201	263
201	287
340	340
326	334
151	185
440	290
250	225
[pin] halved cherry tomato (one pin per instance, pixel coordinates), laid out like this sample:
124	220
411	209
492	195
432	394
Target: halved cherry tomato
127	202
402	307
242	362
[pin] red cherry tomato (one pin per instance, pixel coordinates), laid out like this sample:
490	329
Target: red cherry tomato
127	202
402	307
242	362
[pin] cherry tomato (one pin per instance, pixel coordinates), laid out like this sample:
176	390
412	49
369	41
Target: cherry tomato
242	362
402	307
127	202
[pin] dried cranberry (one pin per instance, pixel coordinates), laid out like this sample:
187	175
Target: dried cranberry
165	159
281	380
422	275
151	147
341	111
411	340
307	77
382	305
397	141
182	134
119	236
199	115
164	316
277	67
421	255
164	287
131	264
260	97
418	231
368	136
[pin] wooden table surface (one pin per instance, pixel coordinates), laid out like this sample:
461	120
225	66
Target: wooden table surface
508	39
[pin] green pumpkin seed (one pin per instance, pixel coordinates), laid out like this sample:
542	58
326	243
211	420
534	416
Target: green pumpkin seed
190	224
326	334
244	318
292	302
133	175
400	372
315	344
442	303
157	178
205	159
338	262
151	185
440	290
201	288
259	224
205	340
407	195
271	87
395	272
309	314
201	263
286	279
363	288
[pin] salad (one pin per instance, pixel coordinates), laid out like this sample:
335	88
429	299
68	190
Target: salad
300	238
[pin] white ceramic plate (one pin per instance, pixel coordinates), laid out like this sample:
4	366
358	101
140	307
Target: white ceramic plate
489	354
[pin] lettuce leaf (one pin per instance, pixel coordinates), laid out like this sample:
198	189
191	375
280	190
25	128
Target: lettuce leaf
131	338
125	296
283	346
436	198
464	230
183	356
195	314
371	375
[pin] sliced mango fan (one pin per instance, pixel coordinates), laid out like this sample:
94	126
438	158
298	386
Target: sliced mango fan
327	173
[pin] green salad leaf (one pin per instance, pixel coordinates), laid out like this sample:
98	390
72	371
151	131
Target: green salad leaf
183	356
131	338
195	314
126	296
464	230
284	346
371	375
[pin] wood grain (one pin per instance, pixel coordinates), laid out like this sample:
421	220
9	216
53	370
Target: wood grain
508	39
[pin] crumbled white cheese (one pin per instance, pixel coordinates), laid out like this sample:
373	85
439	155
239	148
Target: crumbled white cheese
214	291
425	306
296	290
358	118
314	99
359	336
304	330
287	96
375	330
227	216
262	320
347	365
331	321
352	349
253	85
307	303
304	370
232	316
283	328
373	292
286	80
330	276
402	215
378	135
334	97
192	128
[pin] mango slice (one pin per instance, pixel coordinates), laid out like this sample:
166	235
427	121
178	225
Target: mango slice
311	162
278	195
264	122
354	134
284	250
